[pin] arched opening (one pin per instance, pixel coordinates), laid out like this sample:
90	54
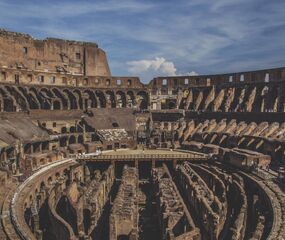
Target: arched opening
101	98
115	124
95	137
130	99
72	129
72	99
77	93
171	105
121	99
110	98
63	142
63	130
61	96
72	140
21	101
92	97
33	104
56	105
142	100
123	237
28	148
80	139
46	96
28	216
45	145
9	105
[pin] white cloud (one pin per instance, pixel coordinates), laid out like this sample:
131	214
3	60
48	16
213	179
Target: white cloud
159	66
192	73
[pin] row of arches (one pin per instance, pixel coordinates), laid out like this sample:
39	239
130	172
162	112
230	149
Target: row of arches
23	98
245	98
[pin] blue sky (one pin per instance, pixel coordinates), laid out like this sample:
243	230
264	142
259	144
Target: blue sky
162	37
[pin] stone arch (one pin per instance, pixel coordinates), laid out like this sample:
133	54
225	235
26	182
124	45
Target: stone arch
9	104
142	99
72	129
80	139
63	141
101	99
71	140
19	97
47	92
10	151
121	99
56	105
131	100
77	93
63	130
92	98
60	96
43	101
111	100
32	101
28	148
72	99
28	216
171	105
49	180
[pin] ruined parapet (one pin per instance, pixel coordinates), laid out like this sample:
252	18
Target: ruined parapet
174	219
124	213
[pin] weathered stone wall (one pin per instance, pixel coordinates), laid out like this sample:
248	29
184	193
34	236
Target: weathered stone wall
21	51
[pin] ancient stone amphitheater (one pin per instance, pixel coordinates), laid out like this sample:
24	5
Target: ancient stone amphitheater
86	155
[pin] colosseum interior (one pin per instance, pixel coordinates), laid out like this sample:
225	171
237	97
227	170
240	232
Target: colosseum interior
87	155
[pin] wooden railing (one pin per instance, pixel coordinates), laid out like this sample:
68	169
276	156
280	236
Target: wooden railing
142	156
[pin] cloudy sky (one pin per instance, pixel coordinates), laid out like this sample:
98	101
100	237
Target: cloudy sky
148	38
